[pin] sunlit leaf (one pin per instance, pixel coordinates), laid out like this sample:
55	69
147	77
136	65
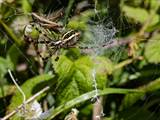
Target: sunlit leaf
26	6
77	25
77	77
4	66
152	50
139	14
7	90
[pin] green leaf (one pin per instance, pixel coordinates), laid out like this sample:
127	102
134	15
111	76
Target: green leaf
76	77
80	22
87	61
152	86
154	4
13	54
152	50
103	67
136	113
139	14
6	90
130	99
26	6
27	88
77	25
69	92
83	77
64	68
4	65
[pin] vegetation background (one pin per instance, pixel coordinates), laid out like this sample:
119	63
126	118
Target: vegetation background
112	74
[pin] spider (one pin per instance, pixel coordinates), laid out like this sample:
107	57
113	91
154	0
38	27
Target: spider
41	33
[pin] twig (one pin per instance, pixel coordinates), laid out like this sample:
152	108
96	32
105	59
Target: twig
26	102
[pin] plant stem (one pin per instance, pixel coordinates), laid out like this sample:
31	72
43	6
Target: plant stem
10	33
52	113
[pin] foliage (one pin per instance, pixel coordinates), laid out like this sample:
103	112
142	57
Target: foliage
115	54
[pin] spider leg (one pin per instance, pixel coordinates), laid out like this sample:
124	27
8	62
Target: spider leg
65	35
37	50
70	41
50	55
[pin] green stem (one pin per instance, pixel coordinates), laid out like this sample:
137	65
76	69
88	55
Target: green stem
54	112
68	10
123	63
10	33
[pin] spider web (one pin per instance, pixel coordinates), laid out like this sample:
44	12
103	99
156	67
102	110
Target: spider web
101	41
99	37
